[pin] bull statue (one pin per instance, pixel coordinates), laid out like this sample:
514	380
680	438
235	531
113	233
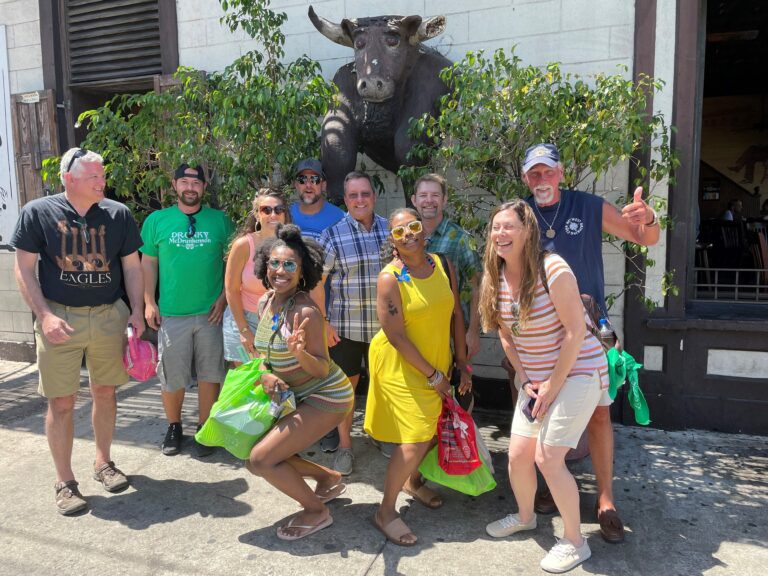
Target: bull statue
393	79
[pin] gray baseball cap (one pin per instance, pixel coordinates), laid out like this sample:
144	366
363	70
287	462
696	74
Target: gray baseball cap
309	164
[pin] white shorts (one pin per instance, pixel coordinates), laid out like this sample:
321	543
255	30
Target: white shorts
567	417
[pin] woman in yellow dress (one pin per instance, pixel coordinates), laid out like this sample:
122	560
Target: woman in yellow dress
409	359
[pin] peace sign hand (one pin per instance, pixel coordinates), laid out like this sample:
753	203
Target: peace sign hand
297	340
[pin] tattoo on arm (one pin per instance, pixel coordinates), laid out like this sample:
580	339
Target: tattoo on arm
391	308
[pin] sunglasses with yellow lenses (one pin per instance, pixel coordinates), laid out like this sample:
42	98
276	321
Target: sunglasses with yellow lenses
414	227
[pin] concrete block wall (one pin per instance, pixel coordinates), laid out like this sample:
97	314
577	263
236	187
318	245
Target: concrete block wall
25	58
22	24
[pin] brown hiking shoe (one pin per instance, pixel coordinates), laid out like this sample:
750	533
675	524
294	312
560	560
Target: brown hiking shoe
112	478
68	498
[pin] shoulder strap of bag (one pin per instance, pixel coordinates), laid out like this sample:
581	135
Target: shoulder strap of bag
444	263
588	303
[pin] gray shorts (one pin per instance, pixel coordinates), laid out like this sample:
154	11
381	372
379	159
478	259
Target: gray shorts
187	341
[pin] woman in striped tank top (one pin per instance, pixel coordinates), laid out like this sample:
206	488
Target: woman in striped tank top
290	336
532	299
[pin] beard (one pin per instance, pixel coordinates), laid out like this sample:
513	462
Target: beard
544	195
309	200
187	200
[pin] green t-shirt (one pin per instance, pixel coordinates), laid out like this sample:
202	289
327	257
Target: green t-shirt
191	269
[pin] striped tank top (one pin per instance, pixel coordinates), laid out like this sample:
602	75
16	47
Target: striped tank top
538	342
332	393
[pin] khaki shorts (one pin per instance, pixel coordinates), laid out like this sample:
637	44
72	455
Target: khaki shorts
184	342
99	333
567	417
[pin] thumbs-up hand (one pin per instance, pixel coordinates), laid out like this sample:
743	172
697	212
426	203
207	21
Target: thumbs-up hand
637	212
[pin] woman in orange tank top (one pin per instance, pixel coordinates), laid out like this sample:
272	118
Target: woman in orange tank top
242	288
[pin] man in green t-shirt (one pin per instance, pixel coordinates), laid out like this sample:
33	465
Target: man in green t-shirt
186	244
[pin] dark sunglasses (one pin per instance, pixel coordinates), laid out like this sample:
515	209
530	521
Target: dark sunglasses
79	154
302	179
191	228
398	232
288	265
83	225
269	209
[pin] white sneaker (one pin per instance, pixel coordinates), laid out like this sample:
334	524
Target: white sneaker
564	556
508	526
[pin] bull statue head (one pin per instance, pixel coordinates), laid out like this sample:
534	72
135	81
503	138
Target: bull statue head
385	46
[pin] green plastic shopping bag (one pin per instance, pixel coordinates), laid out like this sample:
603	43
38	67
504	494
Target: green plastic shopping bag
240	417
477	482
622	367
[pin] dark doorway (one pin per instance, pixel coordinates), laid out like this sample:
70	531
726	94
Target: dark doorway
731	251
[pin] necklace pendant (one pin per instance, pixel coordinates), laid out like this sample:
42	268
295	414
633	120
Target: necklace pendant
550	233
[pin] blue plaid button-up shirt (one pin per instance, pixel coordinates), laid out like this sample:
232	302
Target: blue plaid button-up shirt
352	264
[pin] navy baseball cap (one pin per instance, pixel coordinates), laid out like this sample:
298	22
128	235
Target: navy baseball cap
309	164
181	172
541	154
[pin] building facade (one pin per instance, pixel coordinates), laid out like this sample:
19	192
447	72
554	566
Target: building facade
705	349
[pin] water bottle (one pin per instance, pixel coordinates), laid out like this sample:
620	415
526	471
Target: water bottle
607	335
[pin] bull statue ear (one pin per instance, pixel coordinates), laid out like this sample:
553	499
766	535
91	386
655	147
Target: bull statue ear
334	32
428	29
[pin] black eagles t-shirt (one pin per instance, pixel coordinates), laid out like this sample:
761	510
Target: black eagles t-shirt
79	256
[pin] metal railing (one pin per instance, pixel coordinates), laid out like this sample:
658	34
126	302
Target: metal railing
731	284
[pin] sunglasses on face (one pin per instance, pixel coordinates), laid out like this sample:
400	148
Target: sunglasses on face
191	228
79	154
288	265
269	209
303	179
414	227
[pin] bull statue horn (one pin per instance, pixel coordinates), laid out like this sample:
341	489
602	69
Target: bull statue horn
429	29
334	32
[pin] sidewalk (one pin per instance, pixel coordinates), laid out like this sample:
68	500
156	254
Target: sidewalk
693	502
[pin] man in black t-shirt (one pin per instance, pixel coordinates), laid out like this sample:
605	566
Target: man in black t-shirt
82	246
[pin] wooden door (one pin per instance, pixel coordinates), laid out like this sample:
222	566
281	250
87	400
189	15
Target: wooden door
35	138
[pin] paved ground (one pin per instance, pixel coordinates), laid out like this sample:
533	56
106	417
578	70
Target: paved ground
694	503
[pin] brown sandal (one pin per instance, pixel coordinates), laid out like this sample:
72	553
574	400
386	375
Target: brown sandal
426	496
611	526
394	531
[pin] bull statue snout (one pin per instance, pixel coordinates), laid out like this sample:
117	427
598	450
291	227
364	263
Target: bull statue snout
375	89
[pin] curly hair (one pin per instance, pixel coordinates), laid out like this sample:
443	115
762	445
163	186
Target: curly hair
533	256
388	250
310	254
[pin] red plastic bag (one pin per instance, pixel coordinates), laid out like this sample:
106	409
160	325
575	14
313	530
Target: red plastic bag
456	446
139	358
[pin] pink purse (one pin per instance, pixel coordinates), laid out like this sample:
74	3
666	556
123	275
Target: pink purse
140	357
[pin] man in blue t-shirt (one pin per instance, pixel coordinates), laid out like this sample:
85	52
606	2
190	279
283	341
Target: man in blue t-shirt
312	213
571	225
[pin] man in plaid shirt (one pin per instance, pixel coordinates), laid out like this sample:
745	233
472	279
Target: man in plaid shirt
352	265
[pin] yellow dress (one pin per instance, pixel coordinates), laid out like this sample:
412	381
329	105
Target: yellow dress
401	406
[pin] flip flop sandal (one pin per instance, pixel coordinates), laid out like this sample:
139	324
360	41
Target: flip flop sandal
309	529
332	493
426	496
394	531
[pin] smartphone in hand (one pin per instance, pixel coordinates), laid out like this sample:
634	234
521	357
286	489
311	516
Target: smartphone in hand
527	409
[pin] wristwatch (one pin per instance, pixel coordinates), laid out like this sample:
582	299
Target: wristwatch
244	330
